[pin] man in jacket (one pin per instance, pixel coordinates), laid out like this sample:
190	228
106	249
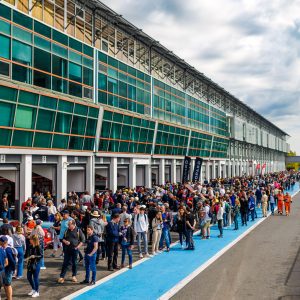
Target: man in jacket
141	225
112	238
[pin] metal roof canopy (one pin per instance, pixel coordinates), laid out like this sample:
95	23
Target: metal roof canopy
107	13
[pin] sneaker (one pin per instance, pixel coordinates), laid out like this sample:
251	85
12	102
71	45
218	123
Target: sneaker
19	277
84	281
43	268
35	294
130	266
92	282
154	253
61	280
31	293
74	279
182	247
148	255
141	255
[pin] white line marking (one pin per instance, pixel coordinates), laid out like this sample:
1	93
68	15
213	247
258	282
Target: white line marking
194	274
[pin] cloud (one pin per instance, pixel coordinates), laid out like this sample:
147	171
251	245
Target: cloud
249	47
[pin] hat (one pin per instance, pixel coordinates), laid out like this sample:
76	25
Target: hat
3	239
143	207
136	198
30	218
65	212
95	213
38	222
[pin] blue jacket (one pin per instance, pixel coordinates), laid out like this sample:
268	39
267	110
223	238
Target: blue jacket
11	260
112	232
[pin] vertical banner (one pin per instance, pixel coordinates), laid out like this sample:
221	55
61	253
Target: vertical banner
263	169
197	169
186	169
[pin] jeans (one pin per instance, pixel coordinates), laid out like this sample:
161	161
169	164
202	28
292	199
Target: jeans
42	259
143	235
70	258
165	236
244	217
220	226
225	219
181	235
112	254
272	207
33	277
101	251
20	261
125	248
236	222
252	212
4	214
90	265
189	239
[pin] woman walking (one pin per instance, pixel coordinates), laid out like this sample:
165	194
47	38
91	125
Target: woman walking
236	213
20	245
55	229
34	265
181	225
157	229
220	214
127	240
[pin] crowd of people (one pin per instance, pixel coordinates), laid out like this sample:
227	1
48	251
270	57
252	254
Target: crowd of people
101	224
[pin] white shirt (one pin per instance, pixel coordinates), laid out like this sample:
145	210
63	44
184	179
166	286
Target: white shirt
220	213
10	241
141	223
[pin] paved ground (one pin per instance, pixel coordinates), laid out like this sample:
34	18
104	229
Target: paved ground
263	265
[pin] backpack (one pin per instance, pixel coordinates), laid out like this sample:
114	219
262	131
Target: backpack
227	208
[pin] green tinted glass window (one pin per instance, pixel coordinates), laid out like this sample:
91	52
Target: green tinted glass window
102	82
102	57
75	72
4	27
59	50
21	19
60	141
91	127
63	122
45	120
74	56
5	46
42	79
22	74
75	89
59	66
75	143
59	85
60	37
78	125
22	35
80	109
7	93
88	50
22	138
5	12
48	102
42	43
93	112
25	117
21	53
88	76
4	68
75	45
42	60
6	114
42	29
89	144
65	106
28	98
42	140
5	135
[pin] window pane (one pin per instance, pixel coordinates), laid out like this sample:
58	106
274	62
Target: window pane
6	114
42	43
81	109
60	141
5	46
63	123
42	79
75	89
28	98
65	106
5	135
21	53
48	102
42	29
7	93
4	68
93	112
102	82
59	85
45	120
61	51
22	138
59	66
42	140
22	19
5	12
60	37
88	76
91	127
75	72
25	117
75	143
22	35
88	144
42	60
78	125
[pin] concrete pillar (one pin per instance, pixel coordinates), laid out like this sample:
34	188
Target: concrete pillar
219	169
233	169
162	171
213	175
192	169
90	175
229	168
25	182
148	176
113	174
173	171
132	174
224	170
62	172
207	171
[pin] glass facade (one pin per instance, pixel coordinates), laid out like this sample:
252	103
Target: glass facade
29	119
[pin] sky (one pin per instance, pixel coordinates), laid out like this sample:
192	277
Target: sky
249	47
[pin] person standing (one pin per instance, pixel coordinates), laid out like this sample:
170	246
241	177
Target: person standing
264	202
190	227
220	214
181	225
287	203
127	240
20	245
38	230
72	241
280	199
90	256
141	225
244	210
157	224
272	203
112	239
236	213
34	265
55	229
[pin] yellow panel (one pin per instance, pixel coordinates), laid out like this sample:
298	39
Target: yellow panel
88	34
12	2
70	25
79	29
59	19
48	13
37	11
23	6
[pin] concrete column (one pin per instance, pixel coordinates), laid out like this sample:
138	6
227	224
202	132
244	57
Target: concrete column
132	174
62	172
192	169
162	171
90	175
219	169
233	169
207	171
113	174
25	182
148	176
173	171
224	170
213	175
229	168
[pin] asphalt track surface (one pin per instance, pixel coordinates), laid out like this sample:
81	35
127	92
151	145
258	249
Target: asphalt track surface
263	265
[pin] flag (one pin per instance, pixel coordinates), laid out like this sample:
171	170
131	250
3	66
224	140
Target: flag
186	169
197	169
